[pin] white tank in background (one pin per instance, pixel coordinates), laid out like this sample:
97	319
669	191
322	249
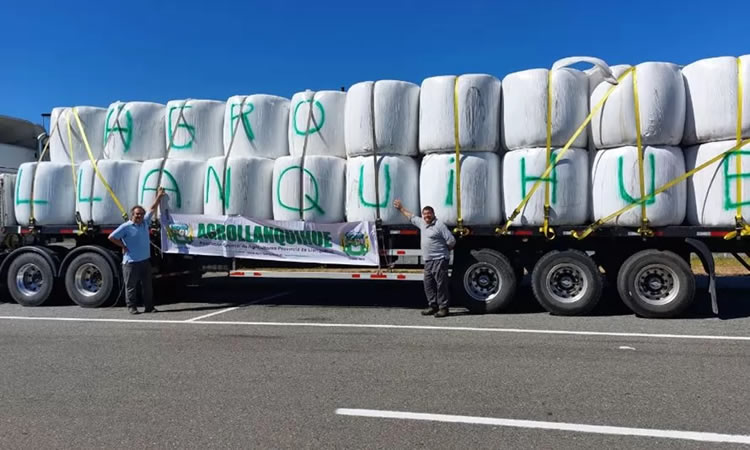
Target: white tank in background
711	88
481	202
478	113
525	107
182	179
134	131
53	193
398	178
324	126
66	140
245	188
661	93
712	192
616	184
256	126
194	129
93	200
323	180
568	186
394	106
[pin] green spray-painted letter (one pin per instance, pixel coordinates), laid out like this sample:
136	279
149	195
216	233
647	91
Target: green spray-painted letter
317	124
652	185
174	188
172	129
225	188
384	202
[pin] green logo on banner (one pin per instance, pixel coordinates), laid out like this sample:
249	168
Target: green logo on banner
180	233
355	243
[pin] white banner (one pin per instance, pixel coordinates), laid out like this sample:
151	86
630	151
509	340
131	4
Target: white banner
351	243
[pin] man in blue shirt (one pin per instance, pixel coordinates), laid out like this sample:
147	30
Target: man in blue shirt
437	242
133	238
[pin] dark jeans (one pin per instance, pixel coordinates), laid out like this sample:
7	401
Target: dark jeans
138	273
436	286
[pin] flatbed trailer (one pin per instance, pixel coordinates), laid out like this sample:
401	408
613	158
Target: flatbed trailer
652	272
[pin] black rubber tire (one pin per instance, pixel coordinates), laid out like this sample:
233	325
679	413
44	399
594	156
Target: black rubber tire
47	275
500	267
587	269
626	284
107	290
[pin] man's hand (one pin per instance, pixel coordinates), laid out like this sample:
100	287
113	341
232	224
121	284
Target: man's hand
397	204
160	192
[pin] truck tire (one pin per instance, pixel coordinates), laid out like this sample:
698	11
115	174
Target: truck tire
90	280
485	281
656	284
567	282
30	279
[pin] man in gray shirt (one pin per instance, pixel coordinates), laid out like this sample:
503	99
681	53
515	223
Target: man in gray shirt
437	243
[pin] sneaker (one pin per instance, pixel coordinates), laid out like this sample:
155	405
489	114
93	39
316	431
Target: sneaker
133	310
151	310
442	312
429	311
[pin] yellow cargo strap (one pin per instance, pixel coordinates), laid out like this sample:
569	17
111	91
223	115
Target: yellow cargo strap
561	153
680	179
106	185
741	227
548	232
460	229
81	226
644	229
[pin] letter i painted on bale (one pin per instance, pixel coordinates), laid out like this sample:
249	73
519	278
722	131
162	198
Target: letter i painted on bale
181	123
730	180
361	188
173	187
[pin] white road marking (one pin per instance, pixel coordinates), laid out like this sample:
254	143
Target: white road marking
626	347
559	426
396	327
270	297
205	316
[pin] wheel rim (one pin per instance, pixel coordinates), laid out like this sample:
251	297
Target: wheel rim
482	282
657	284
88	280
29	279
566	283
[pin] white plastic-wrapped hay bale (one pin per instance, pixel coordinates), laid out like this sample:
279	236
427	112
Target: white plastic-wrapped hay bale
256	126
524	108
93	200
323	185
182	179
478	113
394	108
134	131
194	129
711	88
661	94
245	188
712	192
615	184
481	200
63	122
324	126
568	186
398	178
53	195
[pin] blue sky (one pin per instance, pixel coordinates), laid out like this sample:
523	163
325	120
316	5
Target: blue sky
65	53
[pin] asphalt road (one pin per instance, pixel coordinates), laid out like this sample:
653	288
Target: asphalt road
272	364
